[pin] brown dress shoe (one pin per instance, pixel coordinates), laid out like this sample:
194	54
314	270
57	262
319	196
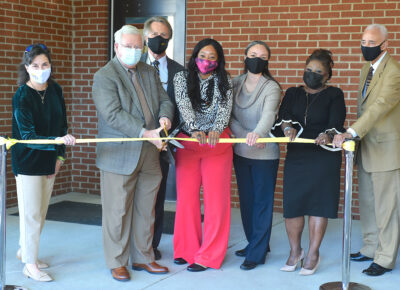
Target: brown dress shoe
152	268
120	274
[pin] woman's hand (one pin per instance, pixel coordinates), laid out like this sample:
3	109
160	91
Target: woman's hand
67	139
213	138
200	136
251	138
323	139
57	169
290	132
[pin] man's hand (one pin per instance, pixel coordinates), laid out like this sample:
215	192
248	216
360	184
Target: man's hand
340	138
164	121
154	134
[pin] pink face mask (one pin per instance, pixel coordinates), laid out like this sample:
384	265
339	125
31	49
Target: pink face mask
206	66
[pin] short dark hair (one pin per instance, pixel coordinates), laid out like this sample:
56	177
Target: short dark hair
29	56
324	56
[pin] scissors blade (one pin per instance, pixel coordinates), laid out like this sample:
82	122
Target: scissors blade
176	144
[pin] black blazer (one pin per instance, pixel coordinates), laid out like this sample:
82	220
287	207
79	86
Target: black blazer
173	67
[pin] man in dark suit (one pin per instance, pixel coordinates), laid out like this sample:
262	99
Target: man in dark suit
157	32
378	157
130	102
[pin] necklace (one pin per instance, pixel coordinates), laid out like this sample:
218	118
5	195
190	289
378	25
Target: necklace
309	105
41	95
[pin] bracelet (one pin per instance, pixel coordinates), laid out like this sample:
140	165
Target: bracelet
62	159
287	128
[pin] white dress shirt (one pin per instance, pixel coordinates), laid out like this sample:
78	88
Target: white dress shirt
163	67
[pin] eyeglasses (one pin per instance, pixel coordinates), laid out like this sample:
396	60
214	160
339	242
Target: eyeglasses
29	48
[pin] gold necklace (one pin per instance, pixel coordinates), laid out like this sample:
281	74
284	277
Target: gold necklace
41	96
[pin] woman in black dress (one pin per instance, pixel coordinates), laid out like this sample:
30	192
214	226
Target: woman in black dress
312	174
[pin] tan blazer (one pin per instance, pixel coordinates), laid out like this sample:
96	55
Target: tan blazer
378	123
120	113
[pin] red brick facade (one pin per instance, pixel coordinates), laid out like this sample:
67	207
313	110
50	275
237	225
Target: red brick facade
77	33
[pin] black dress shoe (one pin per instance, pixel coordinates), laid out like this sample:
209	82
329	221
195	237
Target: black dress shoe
241	253
375	270
180	261
247	265
358	257
196	268
157	254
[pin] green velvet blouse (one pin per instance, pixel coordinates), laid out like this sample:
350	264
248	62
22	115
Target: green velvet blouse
33	119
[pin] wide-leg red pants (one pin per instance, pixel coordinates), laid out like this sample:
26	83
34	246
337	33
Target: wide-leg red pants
198	165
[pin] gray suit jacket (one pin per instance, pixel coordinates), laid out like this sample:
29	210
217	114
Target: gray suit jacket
120	113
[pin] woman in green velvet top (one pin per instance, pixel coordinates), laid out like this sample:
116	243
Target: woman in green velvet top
38	113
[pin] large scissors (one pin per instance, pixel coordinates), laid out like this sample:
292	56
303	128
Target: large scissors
175	132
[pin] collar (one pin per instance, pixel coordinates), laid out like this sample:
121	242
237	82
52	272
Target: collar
162	61
376	64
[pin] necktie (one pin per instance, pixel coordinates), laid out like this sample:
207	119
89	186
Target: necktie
156	64
148	117
368	80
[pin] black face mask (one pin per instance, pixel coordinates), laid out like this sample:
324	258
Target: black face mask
313	80
255	65
371	53
157	44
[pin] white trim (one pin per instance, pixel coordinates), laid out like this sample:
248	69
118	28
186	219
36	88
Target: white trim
287	121
326	147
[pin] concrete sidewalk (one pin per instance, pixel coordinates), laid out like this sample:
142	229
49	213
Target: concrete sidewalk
75	254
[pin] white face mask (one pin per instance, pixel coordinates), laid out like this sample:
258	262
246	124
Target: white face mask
130	56
39	76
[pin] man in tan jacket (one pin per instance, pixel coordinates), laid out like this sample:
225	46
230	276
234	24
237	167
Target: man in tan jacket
378	157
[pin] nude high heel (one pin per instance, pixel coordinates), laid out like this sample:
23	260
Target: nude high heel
307	272
39	276
291	268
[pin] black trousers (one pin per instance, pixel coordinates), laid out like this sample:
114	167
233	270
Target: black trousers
159	207
256	183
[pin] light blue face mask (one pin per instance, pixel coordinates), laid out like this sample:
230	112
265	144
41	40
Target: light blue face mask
130	56
40	76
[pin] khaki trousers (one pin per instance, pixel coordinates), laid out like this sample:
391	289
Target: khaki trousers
379	198
128	210
33	193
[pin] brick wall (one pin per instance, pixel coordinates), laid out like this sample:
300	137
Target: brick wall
22	23
76	30
293	29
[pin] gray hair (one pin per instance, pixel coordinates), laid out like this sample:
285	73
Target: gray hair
147	24
381	28
126	29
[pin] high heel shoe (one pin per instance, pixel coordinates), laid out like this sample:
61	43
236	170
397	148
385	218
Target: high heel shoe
306	272
38	276
291	268
40	264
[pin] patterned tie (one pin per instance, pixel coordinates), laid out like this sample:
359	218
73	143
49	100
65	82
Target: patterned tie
148	117
156	64
368	80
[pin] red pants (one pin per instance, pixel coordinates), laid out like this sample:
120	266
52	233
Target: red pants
198	165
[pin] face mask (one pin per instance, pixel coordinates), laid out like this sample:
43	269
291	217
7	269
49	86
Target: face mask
371	53
130	56
313	80
255	65
206	66
39	76
157	44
